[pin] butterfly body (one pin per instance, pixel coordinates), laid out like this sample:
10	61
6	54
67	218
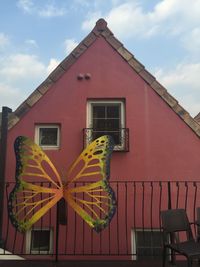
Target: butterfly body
85	187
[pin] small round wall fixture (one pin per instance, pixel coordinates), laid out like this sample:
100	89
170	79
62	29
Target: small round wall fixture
80	76
87	76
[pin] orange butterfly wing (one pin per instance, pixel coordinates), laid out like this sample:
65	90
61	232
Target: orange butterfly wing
28	202
88	191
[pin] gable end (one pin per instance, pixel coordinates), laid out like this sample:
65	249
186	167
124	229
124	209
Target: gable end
101	29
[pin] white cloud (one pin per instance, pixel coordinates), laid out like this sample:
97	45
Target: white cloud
184	83
184	75
84	3
10	96
52	11
125	20
20	74
128	20
69	45
47	11
53	63
4	40
172	17
191	42
21	66
31	42
88	24
26	5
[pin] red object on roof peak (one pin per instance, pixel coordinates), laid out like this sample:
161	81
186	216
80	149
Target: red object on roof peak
101	24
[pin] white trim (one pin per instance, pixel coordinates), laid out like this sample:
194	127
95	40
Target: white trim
89	108
121	103
28	242
37	132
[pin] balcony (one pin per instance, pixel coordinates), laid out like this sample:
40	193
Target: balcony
134	233
120	137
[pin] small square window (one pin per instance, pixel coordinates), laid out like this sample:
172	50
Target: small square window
39	241
146	243
48	136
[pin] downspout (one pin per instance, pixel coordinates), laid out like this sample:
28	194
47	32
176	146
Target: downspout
3	149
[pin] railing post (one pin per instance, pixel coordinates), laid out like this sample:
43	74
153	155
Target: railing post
169	207
61	218
3	148
169	195
57	230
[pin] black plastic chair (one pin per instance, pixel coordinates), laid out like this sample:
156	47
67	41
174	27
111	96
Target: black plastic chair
178	236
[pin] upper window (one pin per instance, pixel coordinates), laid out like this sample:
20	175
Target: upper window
106	118
48	136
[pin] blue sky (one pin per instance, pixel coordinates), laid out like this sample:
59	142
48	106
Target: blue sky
164	35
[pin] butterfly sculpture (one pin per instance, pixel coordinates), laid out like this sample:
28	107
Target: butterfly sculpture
85	187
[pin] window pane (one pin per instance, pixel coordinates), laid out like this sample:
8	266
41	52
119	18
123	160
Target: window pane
40	240
97	134
112	124
116	137
48	136
99	124
98	111
113	111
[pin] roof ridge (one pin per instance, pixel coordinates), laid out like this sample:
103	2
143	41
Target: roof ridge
101	29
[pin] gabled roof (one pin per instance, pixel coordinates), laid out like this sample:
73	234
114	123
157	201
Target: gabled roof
101	29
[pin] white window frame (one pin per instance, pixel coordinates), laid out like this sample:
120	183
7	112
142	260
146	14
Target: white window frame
28	242
121	103
37	135
133	238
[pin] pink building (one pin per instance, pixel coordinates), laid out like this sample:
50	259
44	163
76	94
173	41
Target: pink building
102	88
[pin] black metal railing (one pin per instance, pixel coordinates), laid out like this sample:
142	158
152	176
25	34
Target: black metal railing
120	137
134	232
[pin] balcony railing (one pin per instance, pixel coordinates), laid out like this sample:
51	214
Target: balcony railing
134	232
120	137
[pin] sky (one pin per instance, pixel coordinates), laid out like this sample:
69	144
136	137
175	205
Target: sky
36	35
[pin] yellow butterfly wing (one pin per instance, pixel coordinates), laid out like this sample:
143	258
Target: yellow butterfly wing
28	202
88	191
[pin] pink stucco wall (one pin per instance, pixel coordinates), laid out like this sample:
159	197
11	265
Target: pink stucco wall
162	146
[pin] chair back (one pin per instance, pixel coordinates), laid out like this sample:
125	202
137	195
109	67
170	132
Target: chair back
174	221
198	224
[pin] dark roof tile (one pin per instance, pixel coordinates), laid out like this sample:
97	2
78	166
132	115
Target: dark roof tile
44	87
79	50
114	42
33	98
148	77
135	64
57	73
22	109
124	53
90	39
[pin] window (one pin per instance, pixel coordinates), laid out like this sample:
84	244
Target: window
48	136
107	117
146	243
39	241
